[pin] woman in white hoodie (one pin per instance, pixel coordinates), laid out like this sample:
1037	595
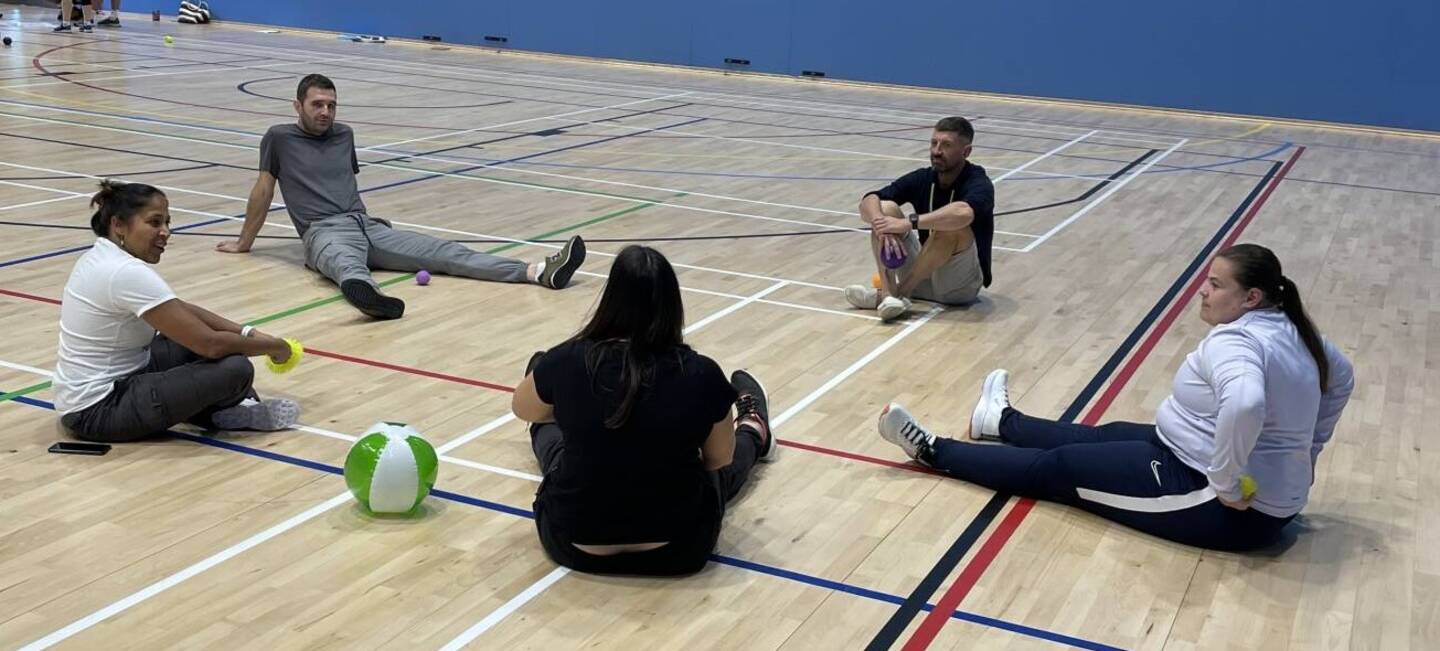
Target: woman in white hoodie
1231	457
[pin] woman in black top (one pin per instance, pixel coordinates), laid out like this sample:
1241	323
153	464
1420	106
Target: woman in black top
635	434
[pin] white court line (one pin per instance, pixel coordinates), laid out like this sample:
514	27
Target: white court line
1041	157
498	470
799	306
539	586
517	170
853	368
534	119
27	369
481	75
41	202
692	328
1096	201
175	579
505	610
174	73
438	229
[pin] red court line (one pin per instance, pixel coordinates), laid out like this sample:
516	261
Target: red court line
42	299
970	575
911	467
860	457
344	358
413	371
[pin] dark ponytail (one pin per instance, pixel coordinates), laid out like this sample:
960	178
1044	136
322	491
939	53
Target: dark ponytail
1257	267
117	199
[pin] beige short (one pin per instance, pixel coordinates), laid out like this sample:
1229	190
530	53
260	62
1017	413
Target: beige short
957	282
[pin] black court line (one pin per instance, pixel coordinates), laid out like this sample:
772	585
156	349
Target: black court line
886	637
118	150
1088	193
66	177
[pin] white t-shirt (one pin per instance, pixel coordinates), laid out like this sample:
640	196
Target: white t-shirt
102	337
1248	401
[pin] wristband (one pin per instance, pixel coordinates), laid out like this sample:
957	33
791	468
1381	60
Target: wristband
915	221
246	330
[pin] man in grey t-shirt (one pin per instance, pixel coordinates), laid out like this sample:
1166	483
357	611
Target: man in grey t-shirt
315	164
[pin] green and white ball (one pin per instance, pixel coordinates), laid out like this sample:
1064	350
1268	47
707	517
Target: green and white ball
391	469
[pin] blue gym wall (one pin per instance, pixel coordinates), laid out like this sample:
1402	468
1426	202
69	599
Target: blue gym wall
1336	60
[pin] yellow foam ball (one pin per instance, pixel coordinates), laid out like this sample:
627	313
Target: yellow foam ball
169	40
1248	487
296	352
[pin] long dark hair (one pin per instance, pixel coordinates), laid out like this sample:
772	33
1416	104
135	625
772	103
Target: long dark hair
116	199
1257	267
641	317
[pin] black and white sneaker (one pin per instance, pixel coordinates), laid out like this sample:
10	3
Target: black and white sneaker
62	27
754	404
109	21
899	427
86	27
366	298
556	270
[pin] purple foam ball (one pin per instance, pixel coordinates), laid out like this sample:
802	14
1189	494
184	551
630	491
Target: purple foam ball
422	278
892	260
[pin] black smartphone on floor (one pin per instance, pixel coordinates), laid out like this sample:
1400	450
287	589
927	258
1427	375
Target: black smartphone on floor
80	447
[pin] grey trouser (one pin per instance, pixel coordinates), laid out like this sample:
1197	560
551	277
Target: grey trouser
346	247
177	386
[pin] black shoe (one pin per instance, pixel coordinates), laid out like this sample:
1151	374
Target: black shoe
753	403
63	27
109	21
86	27
366	298
534	359
561	266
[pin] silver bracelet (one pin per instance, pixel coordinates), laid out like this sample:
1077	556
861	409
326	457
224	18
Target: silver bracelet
246	330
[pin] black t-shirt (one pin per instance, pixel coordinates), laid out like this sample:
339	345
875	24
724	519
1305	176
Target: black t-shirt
973	187
644	481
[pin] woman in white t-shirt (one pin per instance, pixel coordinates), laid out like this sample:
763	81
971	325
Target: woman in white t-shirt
115	379
1232	455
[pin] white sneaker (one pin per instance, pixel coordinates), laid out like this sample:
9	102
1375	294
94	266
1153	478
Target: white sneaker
994	398
899	427
893	308
862	297
268	415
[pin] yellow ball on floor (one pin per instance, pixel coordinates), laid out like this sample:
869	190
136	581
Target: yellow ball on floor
169	40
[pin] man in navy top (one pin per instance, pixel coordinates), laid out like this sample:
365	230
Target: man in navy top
945	241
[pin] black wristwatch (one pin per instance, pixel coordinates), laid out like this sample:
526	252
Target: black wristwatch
915	221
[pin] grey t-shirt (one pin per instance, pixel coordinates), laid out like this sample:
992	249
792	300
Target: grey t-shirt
316	173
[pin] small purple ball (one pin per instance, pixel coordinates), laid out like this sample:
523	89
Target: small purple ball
422	278
892	260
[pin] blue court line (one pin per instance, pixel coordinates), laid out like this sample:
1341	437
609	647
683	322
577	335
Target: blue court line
721	559
1163	169
1158	169
426	177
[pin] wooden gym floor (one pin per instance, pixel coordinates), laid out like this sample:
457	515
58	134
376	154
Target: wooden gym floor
749	184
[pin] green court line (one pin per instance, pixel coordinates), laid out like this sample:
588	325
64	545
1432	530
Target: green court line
498	249
24	392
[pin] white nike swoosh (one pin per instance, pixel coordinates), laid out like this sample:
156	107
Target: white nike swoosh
1155	468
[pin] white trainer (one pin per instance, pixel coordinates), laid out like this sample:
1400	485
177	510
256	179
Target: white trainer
862	297
994	398
267	415
893	308
899	427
